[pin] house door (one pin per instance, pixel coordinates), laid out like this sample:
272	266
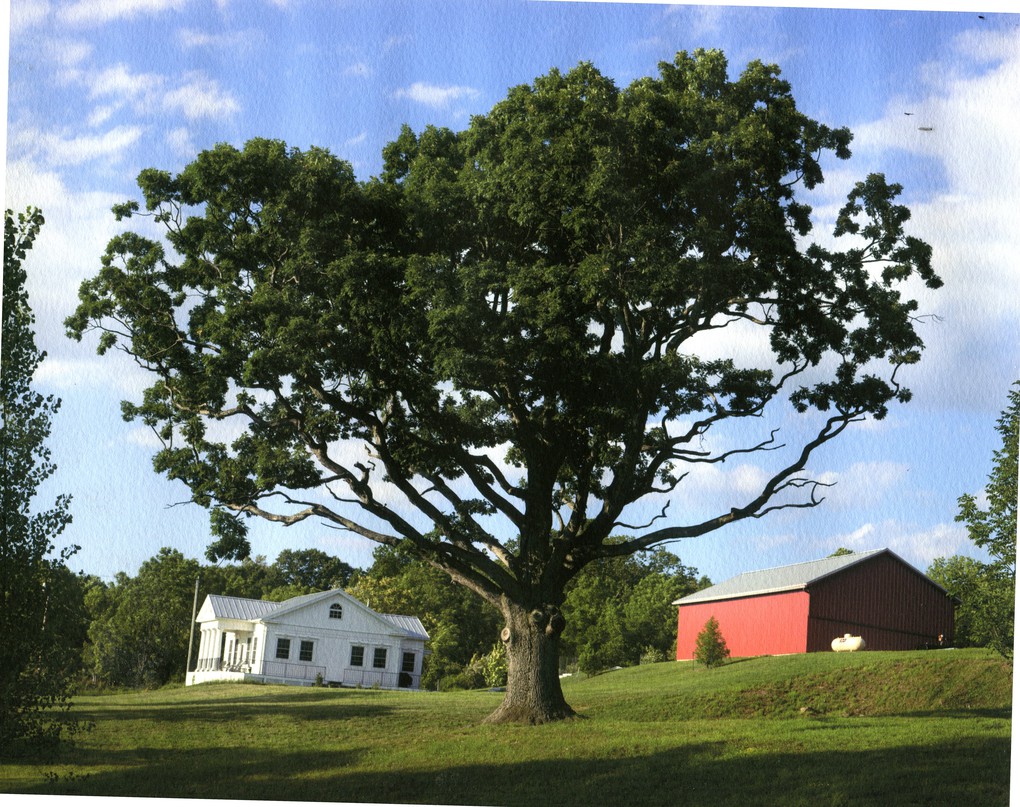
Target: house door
405	680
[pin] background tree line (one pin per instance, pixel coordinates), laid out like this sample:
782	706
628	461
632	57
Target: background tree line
137	627
133	631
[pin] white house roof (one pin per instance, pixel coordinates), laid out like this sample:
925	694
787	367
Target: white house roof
781	578
411	625
294	603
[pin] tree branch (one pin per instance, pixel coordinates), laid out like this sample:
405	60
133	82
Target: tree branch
753	509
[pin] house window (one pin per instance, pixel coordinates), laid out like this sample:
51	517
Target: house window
336	611
407	665
357	656
254	648
283	648
305	653
379	658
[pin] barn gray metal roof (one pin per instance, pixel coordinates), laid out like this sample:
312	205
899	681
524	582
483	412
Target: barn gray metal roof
240	607
781	578
411	625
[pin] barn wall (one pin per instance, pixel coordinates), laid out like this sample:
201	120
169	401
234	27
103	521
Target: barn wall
890	604
770	624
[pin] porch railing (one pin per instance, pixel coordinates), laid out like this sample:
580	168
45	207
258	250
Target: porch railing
367	678
299	672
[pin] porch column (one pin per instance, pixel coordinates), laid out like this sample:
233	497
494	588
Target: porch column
217	649
204	649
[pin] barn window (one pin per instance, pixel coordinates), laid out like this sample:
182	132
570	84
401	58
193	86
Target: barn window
357	655
407	665
336	611
379	658
283	648
305	653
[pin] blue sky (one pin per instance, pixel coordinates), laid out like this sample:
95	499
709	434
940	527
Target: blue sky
100	90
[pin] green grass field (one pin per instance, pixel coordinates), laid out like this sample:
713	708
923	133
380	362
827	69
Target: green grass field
822	729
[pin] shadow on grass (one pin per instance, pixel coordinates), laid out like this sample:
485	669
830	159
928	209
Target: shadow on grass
304	705
964	771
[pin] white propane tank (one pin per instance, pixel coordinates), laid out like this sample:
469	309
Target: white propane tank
847	643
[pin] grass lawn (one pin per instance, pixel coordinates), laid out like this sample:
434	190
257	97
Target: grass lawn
822	729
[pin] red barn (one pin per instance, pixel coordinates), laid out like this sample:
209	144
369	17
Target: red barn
802	608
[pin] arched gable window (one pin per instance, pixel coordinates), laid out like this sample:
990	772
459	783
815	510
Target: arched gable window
336	611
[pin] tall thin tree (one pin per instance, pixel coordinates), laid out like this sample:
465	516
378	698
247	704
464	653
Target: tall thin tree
34	673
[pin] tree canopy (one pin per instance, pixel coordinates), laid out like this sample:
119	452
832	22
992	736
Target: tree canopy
313	568
460	627
994	527
620	610
487	352
988	591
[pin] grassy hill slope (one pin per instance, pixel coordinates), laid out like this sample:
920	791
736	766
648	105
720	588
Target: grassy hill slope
820	684
822	729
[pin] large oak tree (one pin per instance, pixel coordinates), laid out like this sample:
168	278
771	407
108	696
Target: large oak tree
486	353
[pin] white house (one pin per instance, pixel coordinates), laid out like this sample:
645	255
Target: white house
328	634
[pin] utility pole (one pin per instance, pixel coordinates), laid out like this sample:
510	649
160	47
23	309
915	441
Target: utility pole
191	627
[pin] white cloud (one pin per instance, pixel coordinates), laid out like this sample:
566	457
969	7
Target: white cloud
100	115
859	539
77	228
201	97
95	373
748	480
197	38
180	141
705	21
123	85
863	484
59	150
26	13
197	96
67	53
145	438
434	95
918	547
89	12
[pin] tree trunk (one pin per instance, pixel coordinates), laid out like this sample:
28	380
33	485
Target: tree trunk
533	692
